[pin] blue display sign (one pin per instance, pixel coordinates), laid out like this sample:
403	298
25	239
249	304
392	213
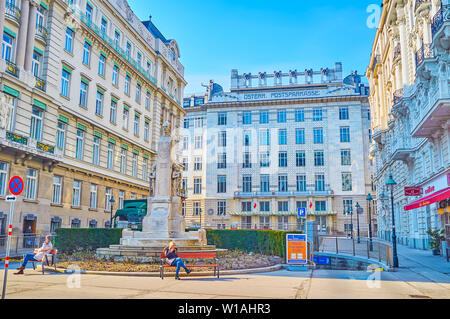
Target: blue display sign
301	212
322	260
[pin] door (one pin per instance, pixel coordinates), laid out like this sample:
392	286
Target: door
29	231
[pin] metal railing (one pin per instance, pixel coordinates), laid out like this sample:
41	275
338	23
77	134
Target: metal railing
40	84
12	68
12	11
439	18
41	32
21	244
425	52
374	249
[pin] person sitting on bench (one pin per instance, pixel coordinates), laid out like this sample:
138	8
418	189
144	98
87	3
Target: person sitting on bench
172	259
45	249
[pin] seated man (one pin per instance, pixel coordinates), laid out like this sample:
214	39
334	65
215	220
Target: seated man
45	249
172	259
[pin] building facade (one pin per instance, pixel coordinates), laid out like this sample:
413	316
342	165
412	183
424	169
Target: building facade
409	80
275	143
85	88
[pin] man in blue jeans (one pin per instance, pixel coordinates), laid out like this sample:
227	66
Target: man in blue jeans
172	259
45	249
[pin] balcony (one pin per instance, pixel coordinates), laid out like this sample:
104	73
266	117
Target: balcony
424	53
441	18
40	84
41	33
12	69
402	149
314	193
12	12
398	96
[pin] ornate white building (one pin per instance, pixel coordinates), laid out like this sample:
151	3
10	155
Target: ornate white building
410	102
275	143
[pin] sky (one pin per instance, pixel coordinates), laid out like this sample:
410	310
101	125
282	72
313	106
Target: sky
255	36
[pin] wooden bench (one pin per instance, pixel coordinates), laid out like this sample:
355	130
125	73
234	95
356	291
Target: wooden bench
52	253
193	255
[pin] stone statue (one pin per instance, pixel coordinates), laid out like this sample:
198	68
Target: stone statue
176	179
152	180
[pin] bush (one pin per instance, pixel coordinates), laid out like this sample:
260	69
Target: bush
265	242
69	240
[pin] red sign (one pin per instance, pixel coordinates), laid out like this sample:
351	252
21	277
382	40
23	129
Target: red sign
413	191
16	185
430	189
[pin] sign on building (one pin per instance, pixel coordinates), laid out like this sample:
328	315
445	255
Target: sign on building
413	191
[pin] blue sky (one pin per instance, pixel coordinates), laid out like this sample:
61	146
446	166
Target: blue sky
260	35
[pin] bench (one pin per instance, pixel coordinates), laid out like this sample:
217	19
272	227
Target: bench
192	255
52	253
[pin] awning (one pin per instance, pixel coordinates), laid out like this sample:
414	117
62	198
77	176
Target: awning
430	199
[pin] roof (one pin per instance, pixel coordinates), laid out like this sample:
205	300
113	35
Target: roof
154	30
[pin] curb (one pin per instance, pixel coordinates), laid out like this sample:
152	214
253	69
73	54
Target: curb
182	274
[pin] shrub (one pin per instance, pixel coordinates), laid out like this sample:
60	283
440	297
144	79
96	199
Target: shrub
266	242
69	240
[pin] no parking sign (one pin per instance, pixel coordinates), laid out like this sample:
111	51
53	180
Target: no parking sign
16	185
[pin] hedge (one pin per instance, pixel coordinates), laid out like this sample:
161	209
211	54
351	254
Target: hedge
68	240
267	242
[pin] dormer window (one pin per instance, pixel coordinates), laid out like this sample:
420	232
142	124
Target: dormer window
172	53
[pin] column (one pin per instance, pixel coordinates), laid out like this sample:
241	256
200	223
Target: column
2	19
30	37
22	37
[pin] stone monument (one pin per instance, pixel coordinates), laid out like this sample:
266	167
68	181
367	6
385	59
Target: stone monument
163	222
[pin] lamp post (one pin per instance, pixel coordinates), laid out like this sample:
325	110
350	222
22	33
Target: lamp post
111	203
369	200
357	220
391	183
351	222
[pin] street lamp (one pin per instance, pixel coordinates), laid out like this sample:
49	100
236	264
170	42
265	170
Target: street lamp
391	183
357	219
111	203
369	200
351	222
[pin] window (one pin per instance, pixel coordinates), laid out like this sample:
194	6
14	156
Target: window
317	114
149	67
221	184
222	119
61	135
301	204
185	143
101	65
68	45
221	207
198	142
246	184
197	185
7	47
88	12
93	197
300	115
117	38
282	183
57	189
138	93
127	84
3	177
263	117
145	169
319	183
264	159
265	183
104	26
346	182
246	206
86	53
247	160
128	49
343	113
300	159
123	161
36	123
197	164
134	165
139	59
264	137
318	135
147	100
108	195
113	112
121	199
301	183
186	123
300	136
247	118
185	164
345	134
197	209
31	184
65	83
83	93
348	206
222	139
198	122
115	76
281	116
96	151
76	193
283	206
79	147
320	206
36	64
282	137
136	124
264	206
221	160
346	158
147	131
99	103
110	156
247	138
282	159
319	158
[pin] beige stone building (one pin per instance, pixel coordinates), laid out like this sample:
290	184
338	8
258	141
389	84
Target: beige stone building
85	87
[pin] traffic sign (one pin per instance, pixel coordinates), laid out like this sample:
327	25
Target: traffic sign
16	185
301	212
10	198
296	246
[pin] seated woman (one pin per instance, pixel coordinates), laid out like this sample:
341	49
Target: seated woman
172	259
45	249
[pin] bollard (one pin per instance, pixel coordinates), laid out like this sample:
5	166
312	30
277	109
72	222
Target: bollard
368	250
337	249
353	241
